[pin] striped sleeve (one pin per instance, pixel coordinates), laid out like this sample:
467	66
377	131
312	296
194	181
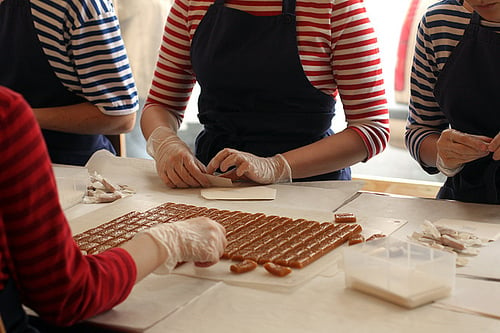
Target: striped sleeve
82	41
337	48
439	31
357	71
53	277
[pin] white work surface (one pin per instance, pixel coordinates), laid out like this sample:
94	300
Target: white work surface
319	301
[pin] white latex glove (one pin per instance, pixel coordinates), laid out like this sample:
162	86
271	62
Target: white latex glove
262	170
199	240
175	163
455	148
494	147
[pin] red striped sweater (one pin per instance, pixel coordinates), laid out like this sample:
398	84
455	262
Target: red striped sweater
36	246
337	47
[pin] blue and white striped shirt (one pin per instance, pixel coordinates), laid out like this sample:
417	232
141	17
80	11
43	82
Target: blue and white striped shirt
83	44
439	32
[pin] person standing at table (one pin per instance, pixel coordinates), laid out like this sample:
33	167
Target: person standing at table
270	73
68	60
454	120
41	266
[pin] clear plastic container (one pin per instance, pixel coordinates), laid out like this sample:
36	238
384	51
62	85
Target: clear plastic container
399	271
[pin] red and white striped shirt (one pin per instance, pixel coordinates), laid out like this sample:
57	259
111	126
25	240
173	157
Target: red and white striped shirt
337	47
36	246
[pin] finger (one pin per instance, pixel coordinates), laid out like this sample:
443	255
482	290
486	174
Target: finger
204	264
449	150
455	158
483	138
232	160
188	173
244	169
215	162
196	177
494	145
163	176
470	141
200	165
231	174
167	181
464	153
176	179
496	155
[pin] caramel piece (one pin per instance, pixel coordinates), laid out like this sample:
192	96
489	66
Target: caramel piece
344	218
246	265
375	236
356	239
277	270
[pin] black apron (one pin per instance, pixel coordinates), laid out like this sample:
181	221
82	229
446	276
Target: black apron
14	318
24	68
467	93
255	96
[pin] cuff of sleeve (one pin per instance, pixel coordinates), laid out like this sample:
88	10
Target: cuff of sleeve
448	172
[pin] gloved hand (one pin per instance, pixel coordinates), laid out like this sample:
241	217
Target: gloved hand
175	163
494	147
263	170
455	148
200	240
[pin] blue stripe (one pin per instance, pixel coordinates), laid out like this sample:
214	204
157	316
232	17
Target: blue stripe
113	89
54	22
48	13
86	8
121	107
102	32
115	100
97	53
79	18
97	83
97	43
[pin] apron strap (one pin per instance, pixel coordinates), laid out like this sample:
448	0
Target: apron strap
289	7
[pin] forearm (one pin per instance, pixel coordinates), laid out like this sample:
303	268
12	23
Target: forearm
147	254
84	118
428	150
155	116
333	153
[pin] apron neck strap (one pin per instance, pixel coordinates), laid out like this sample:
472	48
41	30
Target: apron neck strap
476	19
289	7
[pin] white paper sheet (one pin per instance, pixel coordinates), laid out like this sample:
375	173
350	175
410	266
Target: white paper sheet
239	193
151	300
474	296
321	306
